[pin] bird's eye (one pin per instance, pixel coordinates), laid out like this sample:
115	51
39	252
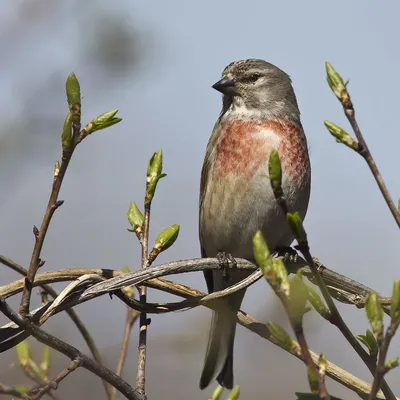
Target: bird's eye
253	77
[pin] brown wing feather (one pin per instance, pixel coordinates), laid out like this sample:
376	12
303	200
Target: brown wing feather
208	275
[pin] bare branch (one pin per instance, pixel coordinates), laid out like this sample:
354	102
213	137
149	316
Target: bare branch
71	352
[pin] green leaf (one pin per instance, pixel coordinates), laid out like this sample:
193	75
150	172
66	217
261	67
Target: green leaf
296	225
341	135
66	136
105	120
73	90
45	363
154	174
370	342
261	252
297	300
281	276
167	238
275	173
392	364
135	217
22	389
234	395
318	304
281	336
217	393
395	307
24	353
374	312
322	363
335	81
273	269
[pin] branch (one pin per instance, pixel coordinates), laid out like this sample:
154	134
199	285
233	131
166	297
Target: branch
70	351
53	385
143	321
336	373
73	121
131	317
70	311
10	391
337	85
297	228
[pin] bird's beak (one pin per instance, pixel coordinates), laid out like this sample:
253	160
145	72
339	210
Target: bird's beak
225	86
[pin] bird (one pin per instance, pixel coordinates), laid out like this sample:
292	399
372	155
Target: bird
259	113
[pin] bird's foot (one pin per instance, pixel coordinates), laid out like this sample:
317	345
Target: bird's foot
288	254
225	261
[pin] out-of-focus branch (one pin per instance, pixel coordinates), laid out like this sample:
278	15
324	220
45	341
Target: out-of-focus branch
336	373
297	228
70	311
131	317
53	384
70	352
10	391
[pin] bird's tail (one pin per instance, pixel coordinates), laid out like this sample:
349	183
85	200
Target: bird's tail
219	356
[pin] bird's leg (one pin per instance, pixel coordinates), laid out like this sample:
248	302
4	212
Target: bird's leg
225	261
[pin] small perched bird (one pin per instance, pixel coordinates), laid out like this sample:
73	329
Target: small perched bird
259	113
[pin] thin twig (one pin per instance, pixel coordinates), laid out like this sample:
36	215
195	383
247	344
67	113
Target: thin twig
336	319
53	385
131	317
71	313
52	205
10	391
381	370
336	373
364	151
70	352
143	321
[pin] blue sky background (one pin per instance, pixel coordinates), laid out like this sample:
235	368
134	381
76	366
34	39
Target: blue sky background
156	62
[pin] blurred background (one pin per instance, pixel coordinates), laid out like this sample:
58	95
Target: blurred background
156	63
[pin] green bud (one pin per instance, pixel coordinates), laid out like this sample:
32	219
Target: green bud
167	238
369	341
73	90
322	363
154	174
280	336
22	389
261	252
375	314
66	136
313	380
395	307
24	353
391	364
104	121
217	393
45	363
316	301
335	81
296	225
135	217
275	173
297	300
56	169
281	276
341	135
234	395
